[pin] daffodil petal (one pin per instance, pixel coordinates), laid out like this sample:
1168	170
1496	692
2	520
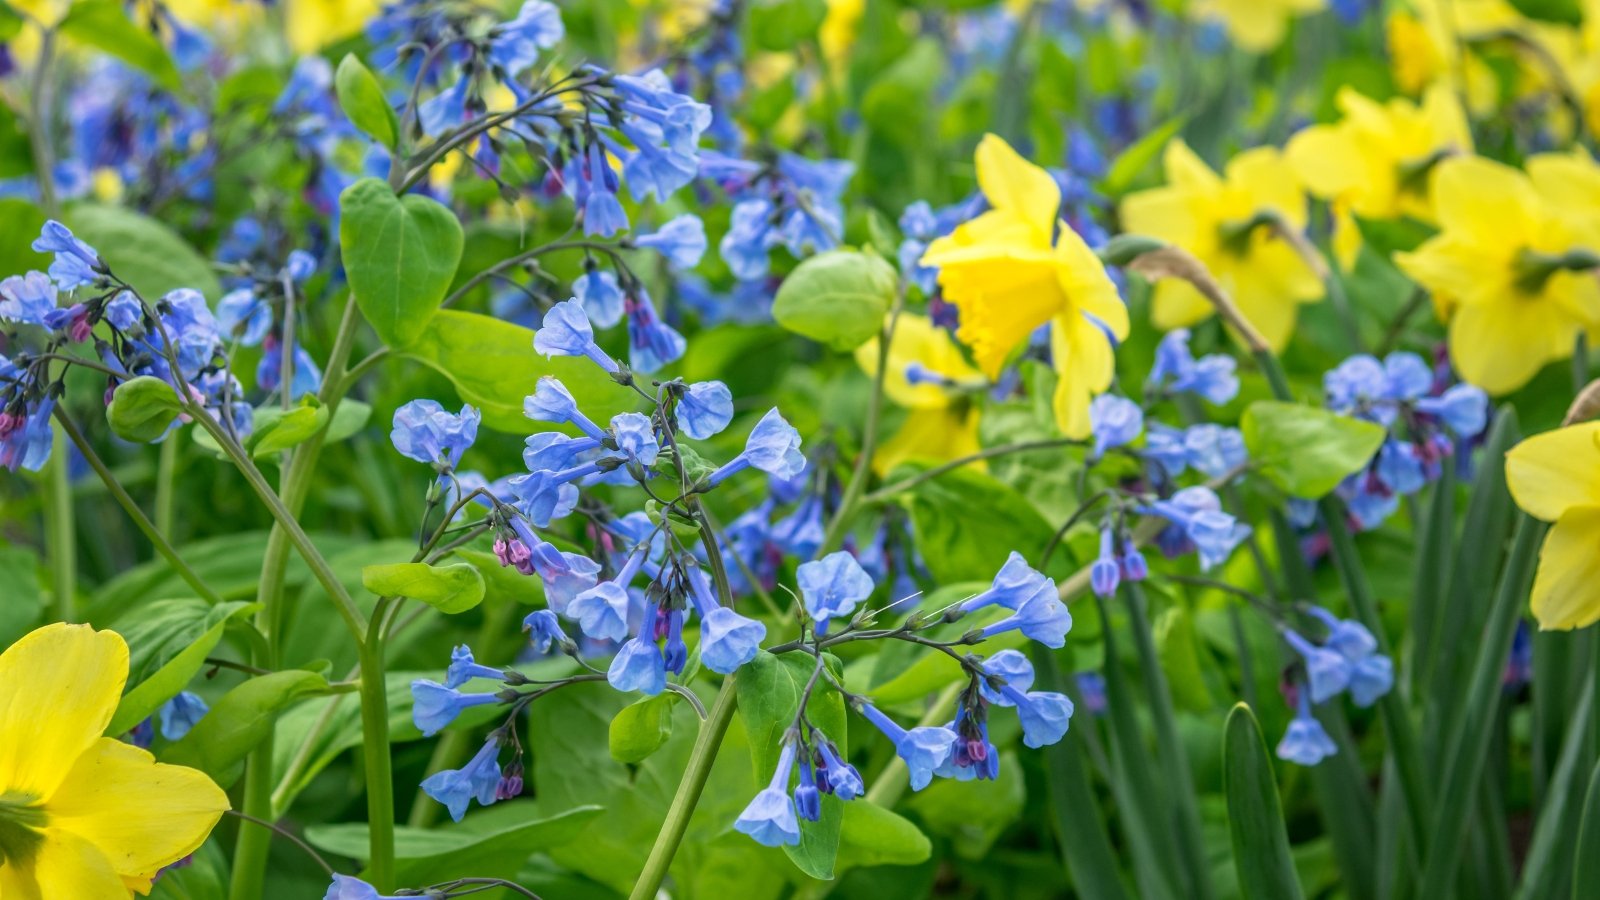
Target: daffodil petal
1084	367
1553	472
65	867
59	686
1012	184
1500	346
1566	590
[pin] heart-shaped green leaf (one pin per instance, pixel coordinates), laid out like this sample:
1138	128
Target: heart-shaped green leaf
400	254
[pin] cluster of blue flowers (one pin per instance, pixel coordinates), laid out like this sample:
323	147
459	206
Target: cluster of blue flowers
1344	660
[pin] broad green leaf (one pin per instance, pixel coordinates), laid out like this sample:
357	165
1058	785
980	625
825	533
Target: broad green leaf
838	298
770	688
25	600
784	25
1304	450
641	728
502	581
897	103
874	836
219	742
347	422
24	220
1127	169
400	254
361	97
1586	860
277	429
142	409
142	251
494	367
973	813
1255	818
489	843
967	523
204	878
146	695
449	589
1566	12
101	24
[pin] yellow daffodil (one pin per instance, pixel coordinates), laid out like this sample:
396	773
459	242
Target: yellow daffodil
1555	476
928	376
1378	158
1254	25
85	817
1509	269
838	32
1227	222
313	24
1016	267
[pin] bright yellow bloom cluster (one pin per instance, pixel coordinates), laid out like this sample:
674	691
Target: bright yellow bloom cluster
1556	477
1254	25
1511	269
940	424
1018	266
85	817
1227	222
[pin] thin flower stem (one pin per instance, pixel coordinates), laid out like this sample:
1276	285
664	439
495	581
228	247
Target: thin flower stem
834	537
376	755
60	525
140	520
166	479
285	833
887	493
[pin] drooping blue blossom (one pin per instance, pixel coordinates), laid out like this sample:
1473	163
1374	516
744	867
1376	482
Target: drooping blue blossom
682	241
425	432
1212	377
832	587
344	887
602	610
307	378
544	630
478	780
638	666
1327	671
26	435
181	713
1011	667
600	296
1045	715
1198	522
1015	585
553	451
565	574
552	402
728	640
801	533
838	777
1105	573
1214	450
704	409
1043	618
1164	445
566	332
635	438
1115	421
773	447
75	263
924	748
463	668
1092	690
1306	743
435	706
515	45
1463	408
770	818
243	316
29	299
652	343
600	210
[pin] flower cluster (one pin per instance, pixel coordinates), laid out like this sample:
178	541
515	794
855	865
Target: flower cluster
1344	660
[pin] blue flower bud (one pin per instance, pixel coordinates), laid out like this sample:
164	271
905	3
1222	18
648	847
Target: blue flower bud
1105	573
807	799
463	668
434	706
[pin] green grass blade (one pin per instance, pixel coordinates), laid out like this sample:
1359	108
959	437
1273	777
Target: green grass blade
1586	862
1255	818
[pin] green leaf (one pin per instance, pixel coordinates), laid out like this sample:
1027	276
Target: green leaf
967	523
874	836
1126	170
784	25
973	813
1586	859
1566	12
277	429
142	409
10	22
102	25
347	422
161	685
142	251
400	254
1304	450
490	843
24	220
770	688
838	298
641	728
361	97
449	589
25	600
1255	818
242	719
493	366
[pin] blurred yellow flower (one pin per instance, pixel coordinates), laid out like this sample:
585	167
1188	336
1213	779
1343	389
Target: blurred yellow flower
1555	476
928	375
1016	267
1511	266
311	25
1227	222
1377	160
838	32
84	816
1254	25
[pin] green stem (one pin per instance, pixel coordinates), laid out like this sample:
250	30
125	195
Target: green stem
59	526
886	493
166	478
375	754
688	795
1169	746
834	538
140	520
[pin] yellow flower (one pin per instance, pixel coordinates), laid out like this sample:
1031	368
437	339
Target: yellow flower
1508	268
1223	222
838	32
1555	476
1378	158
84	816
1255	25
942	423
314	24
1017	267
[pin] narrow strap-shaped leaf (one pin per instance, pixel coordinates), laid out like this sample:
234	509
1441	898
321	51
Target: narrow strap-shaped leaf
1255	818
1344	801
1169	747
1556	831
1082	833
1468	745
1434	557
1586	861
